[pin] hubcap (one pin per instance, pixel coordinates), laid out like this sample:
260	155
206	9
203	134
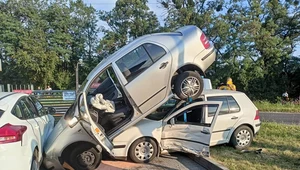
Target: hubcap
86	158
243	138
144	151
190	86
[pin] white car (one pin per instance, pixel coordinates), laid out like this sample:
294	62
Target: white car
191	128
24	128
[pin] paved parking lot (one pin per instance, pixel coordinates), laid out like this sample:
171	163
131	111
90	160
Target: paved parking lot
177	161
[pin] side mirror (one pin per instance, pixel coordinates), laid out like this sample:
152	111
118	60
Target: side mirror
172	121
51	110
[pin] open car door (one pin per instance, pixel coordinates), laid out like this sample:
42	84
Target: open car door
186	130
96	129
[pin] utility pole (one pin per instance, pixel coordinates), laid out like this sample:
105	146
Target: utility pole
77	67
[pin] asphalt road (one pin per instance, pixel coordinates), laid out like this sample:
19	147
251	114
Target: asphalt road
177	161
286	118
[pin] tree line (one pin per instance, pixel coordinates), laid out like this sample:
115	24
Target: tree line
41	41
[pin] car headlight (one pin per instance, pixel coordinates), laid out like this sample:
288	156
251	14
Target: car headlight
73	122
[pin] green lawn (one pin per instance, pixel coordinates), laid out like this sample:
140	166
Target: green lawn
281	150
277	107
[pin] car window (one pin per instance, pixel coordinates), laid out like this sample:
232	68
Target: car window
134	63
26	109
17	111
1	113
224	108
195	115
41	110
192	115
155	51
233	106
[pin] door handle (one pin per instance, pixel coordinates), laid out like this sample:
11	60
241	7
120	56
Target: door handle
163	65
205	132
234	117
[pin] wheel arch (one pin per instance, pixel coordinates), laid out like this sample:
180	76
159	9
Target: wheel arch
151	137
190	67
244	124
187	67
69	148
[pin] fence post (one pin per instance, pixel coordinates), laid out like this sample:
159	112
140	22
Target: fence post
8	87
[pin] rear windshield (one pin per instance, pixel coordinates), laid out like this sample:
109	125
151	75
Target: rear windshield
1	113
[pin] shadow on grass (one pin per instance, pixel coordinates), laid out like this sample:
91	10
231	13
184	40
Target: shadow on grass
272	157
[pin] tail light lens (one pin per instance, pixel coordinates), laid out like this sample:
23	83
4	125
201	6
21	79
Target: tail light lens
257	115
11	133
204	41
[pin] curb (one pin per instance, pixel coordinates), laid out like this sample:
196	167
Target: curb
208	163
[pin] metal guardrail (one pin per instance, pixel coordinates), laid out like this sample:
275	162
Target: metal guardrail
61	100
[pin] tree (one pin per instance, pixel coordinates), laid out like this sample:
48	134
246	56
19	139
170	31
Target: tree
128	20
254	39
26	52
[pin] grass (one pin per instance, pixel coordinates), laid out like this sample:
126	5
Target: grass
281	150
277	107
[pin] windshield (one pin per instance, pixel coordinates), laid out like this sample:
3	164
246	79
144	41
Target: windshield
71	111
163	110
170	106
80	90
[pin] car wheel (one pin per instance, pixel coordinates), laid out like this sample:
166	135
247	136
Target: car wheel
35	162
85	157
188	84
143	150
242	138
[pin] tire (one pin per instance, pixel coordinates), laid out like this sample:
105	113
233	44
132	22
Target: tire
84	157
241	138
143	150
188	78
35	162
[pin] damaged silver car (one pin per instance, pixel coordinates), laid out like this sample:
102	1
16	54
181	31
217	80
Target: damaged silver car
138	78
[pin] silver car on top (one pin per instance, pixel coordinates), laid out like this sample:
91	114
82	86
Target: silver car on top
138	79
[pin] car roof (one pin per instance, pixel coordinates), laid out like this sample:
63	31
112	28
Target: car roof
9	98
154	37
217	92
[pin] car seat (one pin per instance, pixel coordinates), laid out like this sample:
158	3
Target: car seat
108	115
111	120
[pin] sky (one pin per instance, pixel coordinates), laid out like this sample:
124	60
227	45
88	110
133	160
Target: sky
154	6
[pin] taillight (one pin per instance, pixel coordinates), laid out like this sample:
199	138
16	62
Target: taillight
204	41
11	133
257	115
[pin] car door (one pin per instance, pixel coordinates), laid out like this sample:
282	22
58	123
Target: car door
229	115
41	122
96	129
186	131
30	118
147	73
44	117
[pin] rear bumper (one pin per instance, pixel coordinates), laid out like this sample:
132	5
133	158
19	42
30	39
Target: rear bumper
257	128
205	58
52	164
13	156
16	162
